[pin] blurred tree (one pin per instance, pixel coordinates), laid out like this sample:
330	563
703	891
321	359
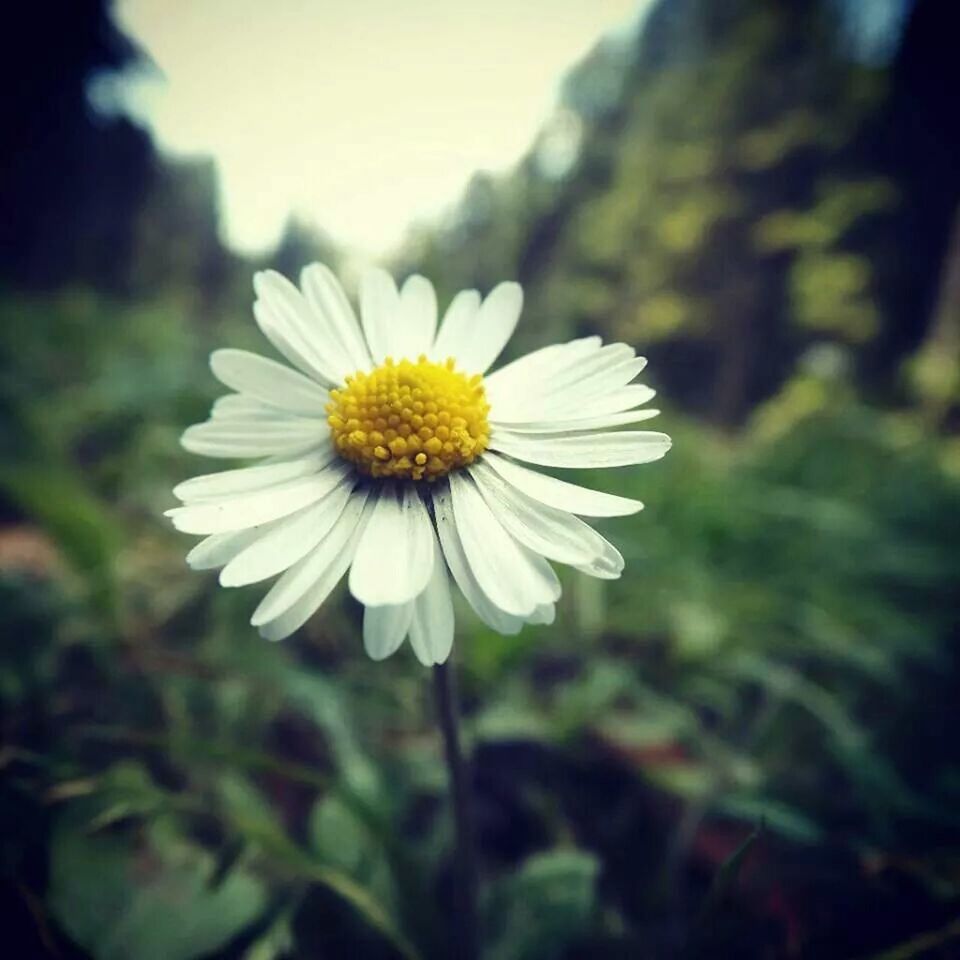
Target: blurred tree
935	368
728	134
59	163
728	203
917	141
176	242
84	196
300	244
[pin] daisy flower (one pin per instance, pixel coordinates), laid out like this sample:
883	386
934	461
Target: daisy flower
393	457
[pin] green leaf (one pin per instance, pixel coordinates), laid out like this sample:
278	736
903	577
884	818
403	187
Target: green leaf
778	817
723	887
57	498
922	945
145	894
548	905
321	923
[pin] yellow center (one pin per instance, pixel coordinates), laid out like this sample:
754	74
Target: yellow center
414	420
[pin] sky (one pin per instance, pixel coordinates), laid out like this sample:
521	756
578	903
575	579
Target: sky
362	116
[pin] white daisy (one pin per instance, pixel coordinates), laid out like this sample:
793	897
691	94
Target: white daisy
391	453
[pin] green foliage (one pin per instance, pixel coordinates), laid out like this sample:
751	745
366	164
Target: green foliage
548	904
149	896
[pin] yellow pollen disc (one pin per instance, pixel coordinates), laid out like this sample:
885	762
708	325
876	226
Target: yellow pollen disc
412	420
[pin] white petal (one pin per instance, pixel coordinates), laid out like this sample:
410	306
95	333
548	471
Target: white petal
493	327
502	566
258	506
544	615
290	539
553	533
284	312
431	630
289	344
395	555
418	317
255	438
612	360
580	391
596	405
608	357
583	450
457	562
295	596
531	367
261	420
599	570
604	422
300	612
379	309
560	493
220	548
546	574
238	406
459	323
227	482
270	382
325	294
384	629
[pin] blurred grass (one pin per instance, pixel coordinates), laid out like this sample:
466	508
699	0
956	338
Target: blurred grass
781	649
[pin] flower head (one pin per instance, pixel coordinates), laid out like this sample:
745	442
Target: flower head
391	453
410	420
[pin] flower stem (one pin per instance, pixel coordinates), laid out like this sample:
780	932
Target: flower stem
465	892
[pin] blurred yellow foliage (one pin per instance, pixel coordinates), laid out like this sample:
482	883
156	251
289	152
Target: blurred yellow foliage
660	317
767	146
799	399
831	292
684	228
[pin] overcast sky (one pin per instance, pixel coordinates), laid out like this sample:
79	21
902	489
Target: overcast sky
363	115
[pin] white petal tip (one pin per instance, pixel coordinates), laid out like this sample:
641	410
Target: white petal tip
598	573
264	280
379	656
429	658
178	521
370	600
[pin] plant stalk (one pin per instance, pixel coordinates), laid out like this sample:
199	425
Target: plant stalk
465	893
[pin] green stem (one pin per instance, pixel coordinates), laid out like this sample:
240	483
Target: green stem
465	893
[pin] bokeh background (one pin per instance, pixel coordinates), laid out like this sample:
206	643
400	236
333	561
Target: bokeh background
747	747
